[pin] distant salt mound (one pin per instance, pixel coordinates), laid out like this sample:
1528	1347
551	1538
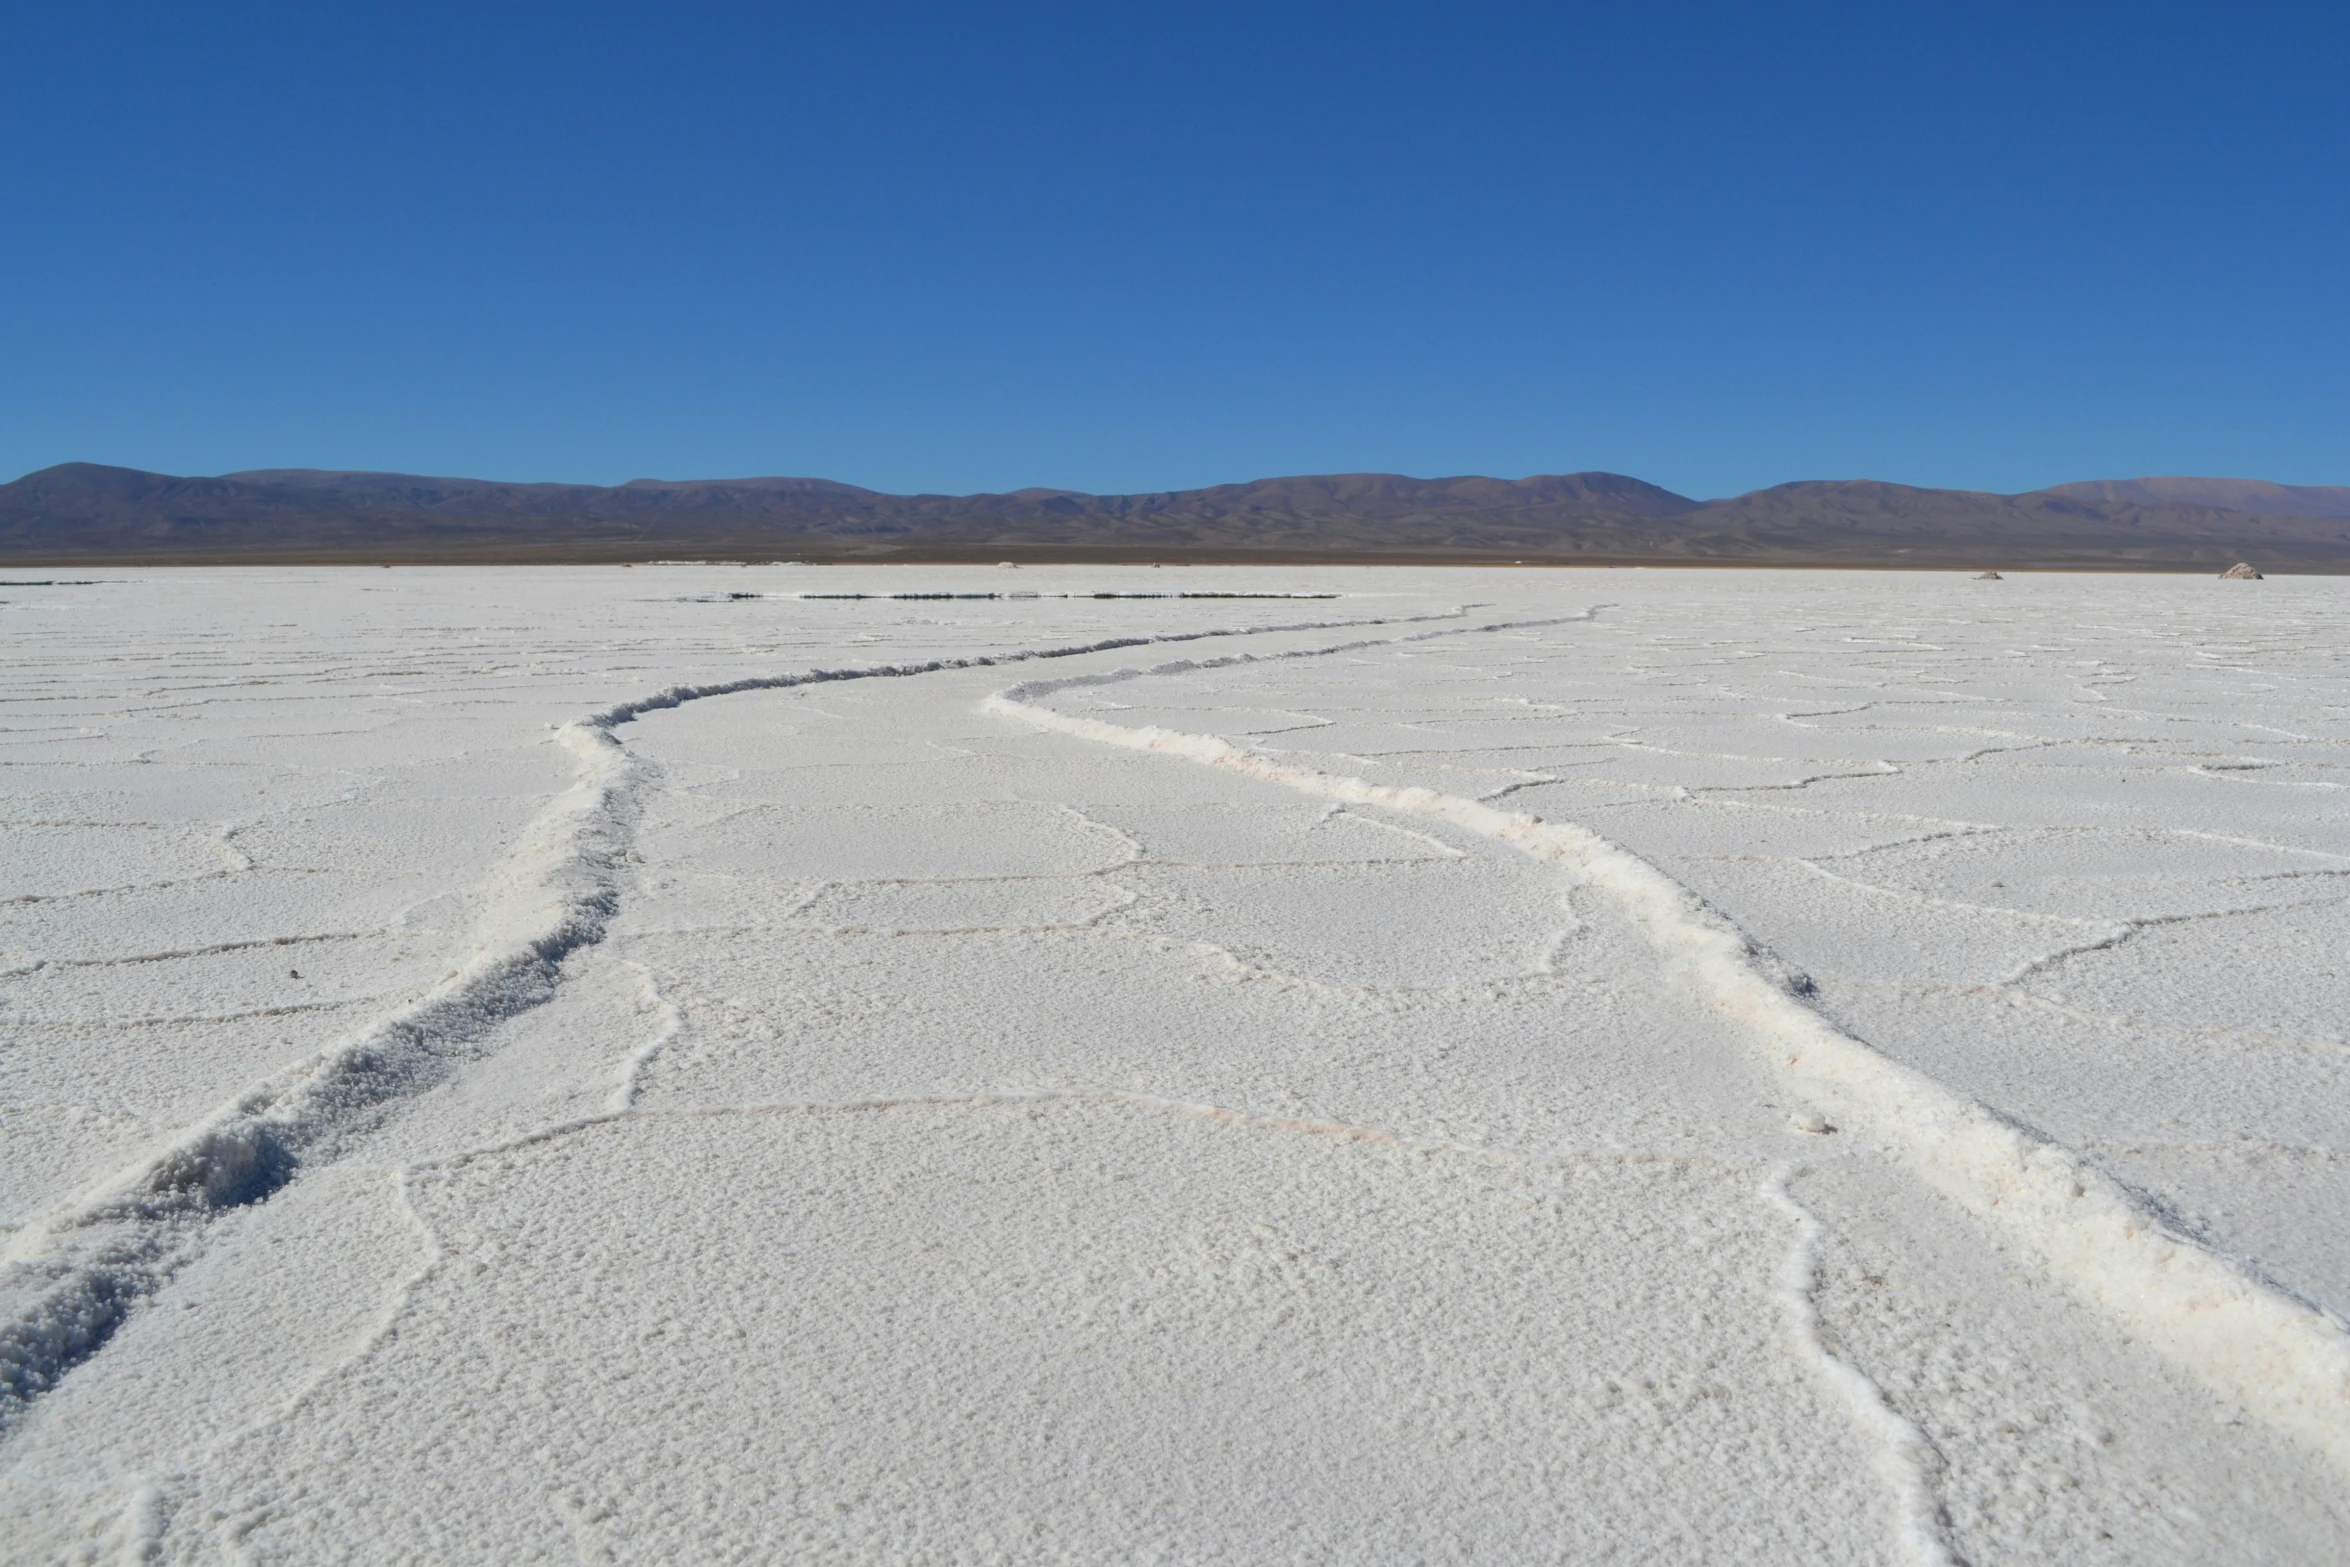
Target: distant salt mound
2241	571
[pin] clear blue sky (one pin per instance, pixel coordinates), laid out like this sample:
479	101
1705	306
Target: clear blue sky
1125	247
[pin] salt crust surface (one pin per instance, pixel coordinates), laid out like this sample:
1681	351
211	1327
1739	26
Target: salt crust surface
966	1142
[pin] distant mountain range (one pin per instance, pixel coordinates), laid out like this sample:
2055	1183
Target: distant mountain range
85	514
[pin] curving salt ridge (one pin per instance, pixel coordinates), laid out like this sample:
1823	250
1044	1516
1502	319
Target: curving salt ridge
2244	1338
1906	1460
68	1280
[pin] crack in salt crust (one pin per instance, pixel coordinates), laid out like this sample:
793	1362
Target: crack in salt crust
1906	1460
2244	1337
72	1276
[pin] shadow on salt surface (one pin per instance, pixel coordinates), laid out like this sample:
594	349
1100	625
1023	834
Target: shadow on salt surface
1067	1330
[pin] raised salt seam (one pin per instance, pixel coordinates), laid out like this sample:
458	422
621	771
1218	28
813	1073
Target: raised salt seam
2245	1339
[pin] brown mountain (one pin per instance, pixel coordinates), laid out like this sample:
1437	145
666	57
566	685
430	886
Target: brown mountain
1869	522
2247	495
80	513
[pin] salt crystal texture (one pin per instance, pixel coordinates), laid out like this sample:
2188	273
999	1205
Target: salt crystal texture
1688	1066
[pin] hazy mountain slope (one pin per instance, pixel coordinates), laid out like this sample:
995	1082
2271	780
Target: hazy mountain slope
81	512
1857	518
2252	495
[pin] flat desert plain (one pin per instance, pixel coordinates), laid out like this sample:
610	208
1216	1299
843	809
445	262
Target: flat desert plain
690	1064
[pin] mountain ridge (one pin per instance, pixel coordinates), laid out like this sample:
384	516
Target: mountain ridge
90	514
2257	496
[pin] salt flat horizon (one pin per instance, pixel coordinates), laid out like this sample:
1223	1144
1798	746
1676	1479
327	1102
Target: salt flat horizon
686	1062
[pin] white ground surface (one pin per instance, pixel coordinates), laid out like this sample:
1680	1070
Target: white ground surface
1138	1105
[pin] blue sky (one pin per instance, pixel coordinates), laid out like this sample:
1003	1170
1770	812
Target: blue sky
1131	247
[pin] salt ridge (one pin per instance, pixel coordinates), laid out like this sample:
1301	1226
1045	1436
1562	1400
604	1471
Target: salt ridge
72	1276
1906	1460
2243	1337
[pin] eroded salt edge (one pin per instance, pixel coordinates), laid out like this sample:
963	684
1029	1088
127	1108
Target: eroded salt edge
2243	1338
76	1272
